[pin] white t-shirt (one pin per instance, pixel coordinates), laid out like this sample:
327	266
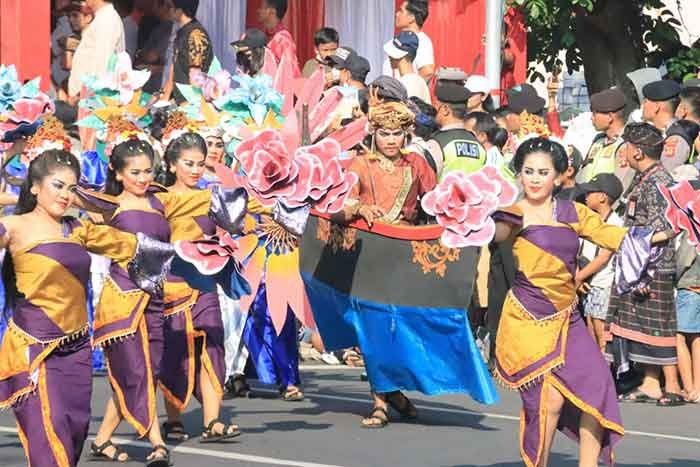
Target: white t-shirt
416	86
102	38
604	278
424	56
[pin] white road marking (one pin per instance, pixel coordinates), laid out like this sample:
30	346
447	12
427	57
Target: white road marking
206	452
485	414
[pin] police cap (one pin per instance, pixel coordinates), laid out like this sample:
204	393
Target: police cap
452	93
609	100
662	90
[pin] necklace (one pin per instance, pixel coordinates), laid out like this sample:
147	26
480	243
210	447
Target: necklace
386	164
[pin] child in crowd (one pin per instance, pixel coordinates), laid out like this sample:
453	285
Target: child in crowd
568	188
594	278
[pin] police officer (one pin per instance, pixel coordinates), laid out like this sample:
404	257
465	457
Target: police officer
454	147
659	108
608	117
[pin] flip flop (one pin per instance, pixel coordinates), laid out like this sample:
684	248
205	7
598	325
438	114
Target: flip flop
637	397
670	399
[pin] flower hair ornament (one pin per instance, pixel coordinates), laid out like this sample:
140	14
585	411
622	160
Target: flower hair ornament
119	130
50	135
21	105
177	125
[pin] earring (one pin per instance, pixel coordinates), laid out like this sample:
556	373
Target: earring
372	149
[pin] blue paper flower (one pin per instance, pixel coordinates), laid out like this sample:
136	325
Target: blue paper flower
255	96
10	87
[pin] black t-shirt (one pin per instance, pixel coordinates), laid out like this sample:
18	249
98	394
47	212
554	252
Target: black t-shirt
569	194
192	49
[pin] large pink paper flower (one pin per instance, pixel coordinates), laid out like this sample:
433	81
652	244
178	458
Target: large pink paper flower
213	86
463	205
312	176
268	166
683	210
209	256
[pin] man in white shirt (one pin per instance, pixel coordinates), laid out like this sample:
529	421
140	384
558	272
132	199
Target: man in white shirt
411	17
402	53
100	40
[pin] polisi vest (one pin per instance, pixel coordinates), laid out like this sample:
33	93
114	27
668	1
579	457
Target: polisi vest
460	150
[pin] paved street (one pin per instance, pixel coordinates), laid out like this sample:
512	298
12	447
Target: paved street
324	431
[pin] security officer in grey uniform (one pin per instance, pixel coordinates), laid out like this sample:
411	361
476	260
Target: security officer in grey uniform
453	147
659	108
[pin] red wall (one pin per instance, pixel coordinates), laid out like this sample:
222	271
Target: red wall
25	38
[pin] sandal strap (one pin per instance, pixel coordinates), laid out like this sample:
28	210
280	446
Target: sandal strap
210	427
379	409
100	449
161	447
172	426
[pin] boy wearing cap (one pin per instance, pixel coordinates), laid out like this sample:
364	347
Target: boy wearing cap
595	276
607	116
659	108
352	69
402	52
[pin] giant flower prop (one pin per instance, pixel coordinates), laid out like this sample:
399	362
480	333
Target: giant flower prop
254	98
683	210
463	204
306	175
121	79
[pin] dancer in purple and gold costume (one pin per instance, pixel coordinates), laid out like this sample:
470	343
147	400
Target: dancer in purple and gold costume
193	362
543	348
45	360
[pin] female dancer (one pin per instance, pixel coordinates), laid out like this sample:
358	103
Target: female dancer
542	347
193	361
129	322
45	360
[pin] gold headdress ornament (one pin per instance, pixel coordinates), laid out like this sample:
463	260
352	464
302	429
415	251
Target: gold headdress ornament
177	125
119	129
533	125
50	135
391	115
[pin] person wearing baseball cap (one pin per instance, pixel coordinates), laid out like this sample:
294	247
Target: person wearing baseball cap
250	51
402	52
608	117
353	69
659	108
596	272
480	100
453	146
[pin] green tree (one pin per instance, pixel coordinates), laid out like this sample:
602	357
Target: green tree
609	38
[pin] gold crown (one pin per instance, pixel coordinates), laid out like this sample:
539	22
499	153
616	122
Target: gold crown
391	115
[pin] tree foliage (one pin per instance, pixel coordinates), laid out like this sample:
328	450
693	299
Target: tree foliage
615	36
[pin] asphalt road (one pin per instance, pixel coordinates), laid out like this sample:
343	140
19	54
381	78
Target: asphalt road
324	431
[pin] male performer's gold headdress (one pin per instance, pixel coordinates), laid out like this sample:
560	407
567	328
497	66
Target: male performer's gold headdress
391	115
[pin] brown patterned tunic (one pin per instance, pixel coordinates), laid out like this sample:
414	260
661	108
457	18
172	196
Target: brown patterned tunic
192	49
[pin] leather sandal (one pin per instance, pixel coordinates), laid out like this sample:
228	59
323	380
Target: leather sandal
158	461
210	436
97	453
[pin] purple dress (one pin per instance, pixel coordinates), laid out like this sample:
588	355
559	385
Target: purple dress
45	359
129	325
542	342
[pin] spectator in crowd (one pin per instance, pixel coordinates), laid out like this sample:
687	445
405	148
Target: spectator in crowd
352	70
453	146
326	42
250	51
568	188
688	312
153	55
424	127
192	47
689	106
594	279
280	41
100	40
61	29
483	128
402	52
80	16
659	108
411	16
644	324
608	117
480	99
125	8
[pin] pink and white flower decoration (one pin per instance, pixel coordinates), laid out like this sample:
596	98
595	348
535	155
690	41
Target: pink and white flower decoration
209	256
123	78
463	204
213	86
309	175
